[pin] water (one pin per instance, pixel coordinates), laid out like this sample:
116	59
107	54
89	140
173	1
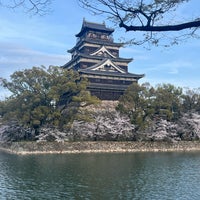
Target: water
101	176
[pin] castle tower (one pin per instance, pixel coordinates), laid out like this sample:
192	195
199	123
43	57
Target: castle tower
96	57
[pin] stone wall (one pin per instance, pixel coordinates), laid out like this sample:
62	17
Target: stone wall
97	147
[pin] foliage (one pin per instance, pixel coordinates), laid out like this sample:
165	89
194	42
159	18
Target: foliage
144	103
149	17
73	110
136	104
167	101
40	96
57	97
191	100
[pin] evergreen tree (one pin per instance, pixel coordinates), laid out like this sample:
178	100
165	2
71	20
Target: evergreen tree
40	96
167	101
144	103
136	103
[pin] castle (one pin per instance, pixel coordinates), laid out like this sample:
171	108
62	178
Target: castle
96	57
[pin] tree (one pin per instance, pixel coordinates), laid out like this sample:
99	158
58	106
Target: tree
191	100
167	101
144	103
39	96
150	17
39	7
136	103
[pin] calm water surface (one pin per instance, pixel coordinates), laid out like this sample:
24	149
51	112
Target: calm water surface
101	176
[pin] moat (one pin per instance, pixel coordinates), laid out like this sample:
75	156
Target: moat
140	175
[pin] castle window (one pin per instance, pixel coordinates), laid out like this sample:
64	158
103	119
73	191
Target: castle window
106	54
104	37
107	67
84	66
93	35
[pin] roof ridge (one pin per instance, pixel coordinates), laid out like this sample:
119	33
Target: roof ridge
85	21
95	26
106	50
118	68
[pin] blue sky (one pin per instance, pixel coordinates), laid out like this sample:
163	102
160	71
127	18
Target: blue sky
27	41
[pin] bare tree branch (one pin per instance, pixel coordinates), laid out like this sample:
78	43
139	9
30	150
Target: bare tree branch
34	7
150	28
143	16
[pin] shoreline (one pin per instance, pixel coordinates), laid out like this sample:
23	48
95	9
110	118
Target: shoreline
28	148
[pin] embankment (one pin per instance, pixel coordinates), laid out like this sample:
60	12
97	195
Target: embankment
24	148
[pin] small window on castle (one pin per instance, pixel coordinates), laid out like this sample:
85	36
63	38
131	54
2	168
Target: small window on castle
94	35
105	54
107	67
114	53
84	66
104	37
87	50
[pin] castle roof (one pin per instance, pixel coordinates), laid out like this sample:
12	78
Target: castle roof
94	26
114	71
112	74
81	55
119	59
99	42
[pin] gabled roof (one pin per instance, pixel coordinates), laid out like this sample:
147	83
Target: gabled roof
106	62
103	50
81	55
93	26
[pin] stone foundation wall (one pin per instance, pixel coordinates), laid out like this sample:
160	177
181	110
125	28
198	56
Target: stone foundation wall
24	148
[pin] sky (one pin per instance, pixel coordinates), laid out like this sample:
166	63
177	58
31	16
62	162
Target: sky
27	41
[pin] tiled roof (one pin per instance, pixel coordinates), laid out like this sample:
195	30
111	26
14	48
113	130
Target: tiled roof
100	42
94	26
108	73
101	57
81	55
106	61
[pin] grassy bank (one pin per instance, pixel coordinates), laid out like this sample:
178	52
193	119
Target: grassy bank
24	148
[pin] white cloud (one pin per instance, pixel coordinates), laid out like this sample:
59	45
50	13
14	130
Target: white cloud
15	57
177	82
175	66
172	67
134	53
36	33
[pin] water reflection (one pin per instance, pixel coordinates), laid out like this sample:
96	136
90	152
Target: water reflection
101	176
